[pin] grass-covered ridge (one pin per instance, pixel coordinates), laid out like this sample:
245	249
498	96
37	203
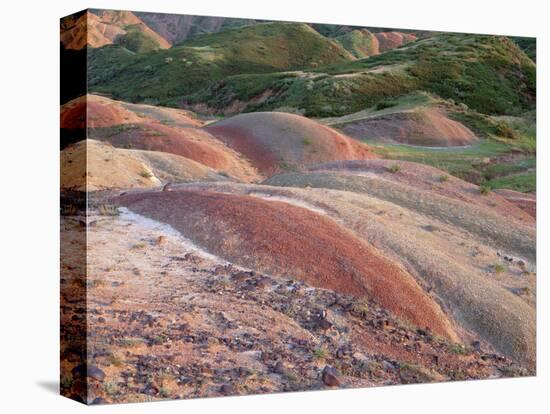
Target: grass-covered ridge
168	75
488	74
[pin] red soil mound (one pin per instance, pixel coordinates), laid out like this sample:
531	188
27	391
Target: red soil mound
527	202
424	127
281	239
277	141
195	144
424	177
102	113
391	40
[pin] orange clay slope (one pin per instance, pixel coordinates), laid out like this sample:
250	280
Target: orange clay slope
103	112
282	239
96	111
276	141
97	30
91	165
142	127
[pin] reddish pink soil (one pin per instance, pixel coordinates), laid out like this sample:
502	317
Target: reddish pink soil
281	239
192	143
102	113
275	141
527	202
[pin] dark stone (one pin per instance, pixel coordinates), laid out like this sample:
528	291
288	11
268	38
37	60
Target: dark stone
280	368
324	324
330	376
98	401
90	371
227	389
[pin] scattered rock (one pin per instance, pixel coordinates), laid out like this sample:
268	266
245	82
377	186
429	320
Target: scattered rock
227	389
330	376
92	371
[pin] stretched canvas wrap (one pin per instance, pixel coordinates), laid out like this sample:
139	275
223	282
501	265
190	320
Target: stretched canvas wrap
256	206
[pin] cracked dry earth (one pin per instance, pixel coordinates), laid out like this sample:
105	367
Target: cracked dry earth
167	320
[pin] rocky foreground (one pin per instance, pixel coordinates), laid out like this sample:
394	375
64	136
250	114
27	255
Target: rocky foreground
167	320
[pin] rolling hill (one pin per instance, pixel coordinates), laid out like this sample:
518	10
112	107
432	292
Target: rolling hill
363	43
201	62
97	28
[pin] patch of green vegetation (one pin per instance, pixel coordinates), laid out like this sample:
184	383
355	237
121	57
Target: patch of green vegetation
484	189
385	104
470	163
395	168
108	210
145	174
164	392
499	268
136	40
198	64
525	183
66	381
458	349
111	388
359	43
528	45
442	178
319	353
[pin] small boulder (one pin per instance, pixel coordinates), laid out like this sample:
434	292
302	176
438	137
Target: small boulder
330	376
90	371
227	389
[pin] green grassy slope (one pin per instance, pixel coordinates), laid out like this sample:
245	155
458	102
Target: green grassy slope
359	43
136	40
168	75
488	74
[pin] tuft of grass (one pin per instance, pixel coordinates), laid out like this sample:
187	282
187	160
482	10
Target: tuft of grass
499	268
69	210
108	210
319	353
484	189
163	392
360	306
458	349
116	360
443	178
384	105
306	141
395	168
66	381
145	174
111	388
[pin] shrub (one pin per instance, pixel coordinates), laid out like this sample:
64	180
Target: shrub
146	174
319	353
395	168
384	104
108	210
443	178
484	189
